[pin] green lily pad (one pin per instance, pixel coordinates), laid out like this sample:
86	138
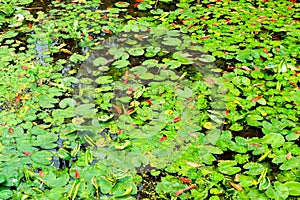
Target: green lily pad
47	140
42	157
138	51
47	101
63	154
76	57
293	187
6	194
122	4
56	180
274	139
207	58
290	164
104	80
185	93
67	102
121	63
99	61
85	110
105	186
2	178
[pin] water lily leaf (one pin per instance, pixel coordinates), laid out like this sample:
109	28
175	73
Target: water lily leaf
152	51
257	74
213	136
124	188
254	168
76	57
105	186
121	63
206	58
63	154
174	64
185	93
131	42
47	140
227	163
243	56
169	41
86	81
122	4
279	191
2	178
227	167
63	113
236	127
274	139
254	120
69	80
144	6
117	52
85	109
67	102
56	181
122	146
229	170
104	80
146	76
241	80
57	192
296	97
46	101
262	101
99	61
292	163
138	70
42	157
10	34
293	187
6	194
183	58
150	62
138	51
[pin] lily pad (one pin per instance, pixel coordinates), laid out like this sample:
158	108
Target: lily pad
42	157
100	61
293	187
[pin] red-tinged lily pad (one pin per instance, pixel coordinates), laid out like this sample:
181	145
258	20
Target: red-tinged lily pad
204	37
176	119
163	138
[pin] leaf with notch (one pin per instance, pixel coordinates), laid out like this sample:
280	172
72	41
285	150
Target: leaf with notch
121	63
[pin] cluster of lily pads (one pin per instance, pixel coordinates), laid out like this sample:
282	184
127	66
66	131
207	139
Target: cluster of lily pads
149	99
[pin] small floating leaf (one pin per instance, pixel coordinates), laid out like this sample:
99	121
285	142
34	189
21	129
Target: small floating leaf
138	51
99	61
67	102
122	4
121	63
42	157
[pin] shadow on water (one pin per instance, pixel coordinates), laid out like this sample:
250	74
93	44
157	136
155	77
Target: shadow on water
248	132
39	5
147	187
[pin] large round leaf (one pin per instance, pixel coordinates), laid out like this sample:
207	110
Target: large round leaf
42	157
